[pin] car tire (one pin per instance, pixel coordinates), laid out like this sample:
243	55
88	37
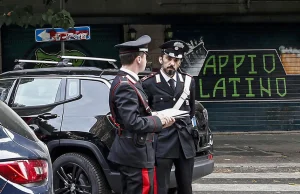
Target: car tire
89	177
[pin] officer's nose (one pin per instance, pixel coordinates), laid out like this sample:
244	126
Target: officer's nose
172	63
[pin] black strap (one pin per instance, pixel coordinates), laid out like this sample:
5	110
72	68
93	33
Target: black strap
145	104
113	115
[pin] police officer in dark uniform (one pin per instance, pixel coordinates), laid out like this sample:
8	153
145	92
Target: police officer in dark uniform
176	144
132	148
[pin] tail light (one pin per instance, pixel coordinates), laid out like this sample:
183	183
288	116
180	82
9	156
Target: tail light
24	171
210	156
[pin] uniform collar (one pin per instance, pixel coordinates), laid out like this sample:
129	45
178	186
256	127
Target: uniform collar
130	73
167	78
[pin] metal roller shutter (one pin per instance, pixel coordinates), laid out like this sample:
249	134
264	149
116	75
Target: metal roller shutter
247	75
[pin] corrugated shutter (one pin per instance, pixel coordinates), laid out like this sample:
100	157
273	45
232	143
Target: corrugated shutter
247	75
19	43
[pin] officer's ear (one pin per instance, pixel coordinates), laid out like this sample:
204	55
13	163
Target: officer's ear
138	59
160	59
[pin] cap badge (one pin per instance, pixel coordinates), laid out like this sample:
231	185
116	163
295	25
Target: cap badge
178	44
176	48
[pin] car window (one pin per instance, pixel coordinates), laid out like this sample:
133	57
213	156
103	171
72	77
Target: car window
5	86
37	91
94	100
10	120
72	89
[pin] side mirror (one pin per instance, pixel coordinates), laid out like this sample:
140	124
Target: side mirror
34	127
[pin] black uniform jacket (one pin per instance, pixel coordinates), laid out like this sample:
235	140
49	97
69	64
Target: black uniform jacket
160	96
134	120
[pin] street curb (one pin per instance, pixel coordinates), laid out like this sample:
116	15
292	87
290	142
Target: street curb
257	165
256	132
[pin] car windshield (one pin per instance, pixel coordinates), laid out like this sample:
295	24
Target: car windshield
10	120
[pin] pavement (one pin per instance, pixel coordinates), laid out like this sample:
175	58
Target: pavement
253	163
257	148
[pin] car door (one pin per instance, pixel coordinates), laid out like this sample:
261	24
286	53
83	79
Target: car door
86	110
39	101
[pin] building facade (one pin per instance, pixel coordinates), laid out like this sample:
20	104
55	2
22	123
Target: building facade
244	55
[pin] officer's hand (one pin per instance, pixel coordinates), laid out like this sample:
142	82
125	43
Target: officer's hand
169	121
165	120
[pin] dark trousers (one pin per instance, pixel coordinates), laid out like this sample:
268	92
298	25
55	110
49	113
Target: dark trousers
138	180
183	172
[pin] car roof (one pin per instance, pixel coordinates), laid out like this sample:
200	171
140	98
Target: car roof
65	71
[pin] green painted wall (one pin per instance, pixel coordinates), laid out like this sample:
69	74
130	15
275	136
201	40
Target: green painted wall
247	75
19	43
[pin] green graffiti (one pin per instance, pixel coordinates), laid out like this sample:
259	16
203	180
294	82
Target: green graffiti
40	54
234	80
277	85
263	89
217	87
201	91
221	84
252	64
221	65
250	94
237	76
273	62
213	65
236	64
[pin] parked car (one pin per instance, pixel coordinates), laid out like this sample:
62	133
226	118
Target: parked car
70	107
25	163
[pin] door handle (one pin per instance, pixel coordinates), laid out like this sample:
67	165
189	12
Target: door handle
47	116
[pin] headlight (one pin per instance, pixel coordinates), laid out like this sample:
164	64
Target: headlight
205	113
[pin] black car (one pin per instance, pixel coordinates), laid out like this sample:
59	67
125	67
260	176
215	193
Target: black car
25	164
69	107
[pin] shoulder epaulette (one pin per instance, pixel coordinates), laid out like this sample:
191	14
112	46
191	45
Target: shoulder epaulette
148	76
127	78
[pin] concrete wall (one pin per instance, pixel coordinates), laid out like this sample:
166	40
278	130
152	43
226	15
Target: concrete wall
120	7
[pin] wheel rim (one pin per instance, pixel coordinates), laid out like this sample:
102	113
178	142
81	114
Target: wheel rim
70	178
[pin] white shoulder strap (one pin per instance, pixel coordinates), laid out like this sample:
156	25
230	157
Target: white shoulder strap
180	77
185	93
